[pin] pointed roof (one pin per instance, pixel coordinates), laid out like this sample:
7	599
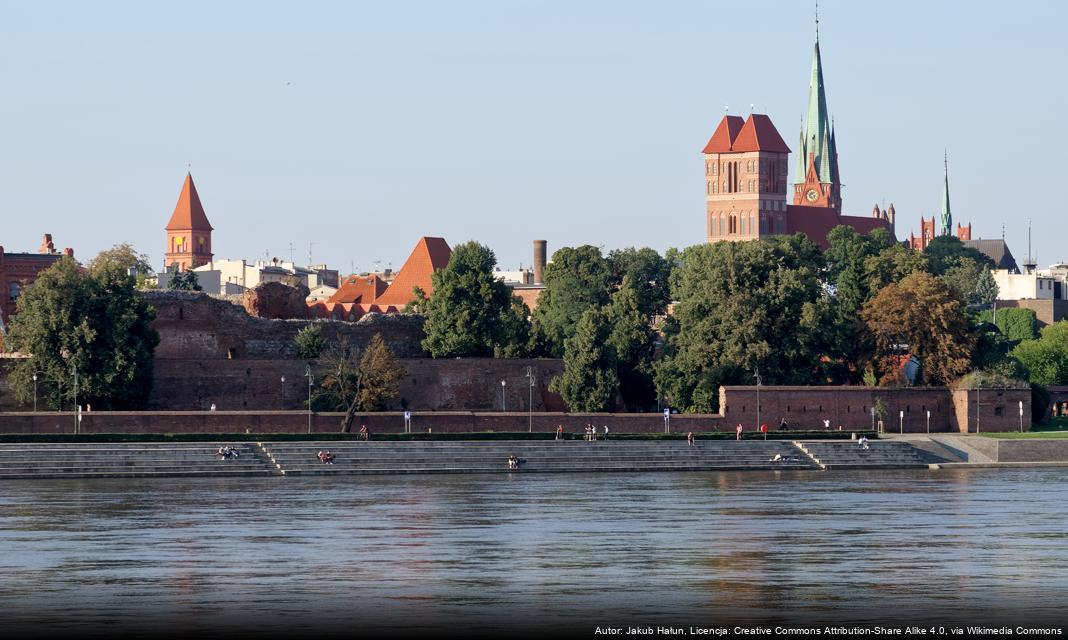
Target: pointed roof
816	134
428	256
361	289
189	213
723	139
947	215
759	134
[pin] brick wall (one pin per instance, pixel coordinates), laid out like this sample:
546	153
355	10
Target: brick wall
469	384
297	422
988	410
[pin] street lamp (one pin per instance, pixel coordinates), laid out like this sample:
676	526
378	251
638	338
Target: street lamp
75	370
35	392
873	419
928	421
1021	416
530	399
308	374
504	402
283	392
901	421
757	376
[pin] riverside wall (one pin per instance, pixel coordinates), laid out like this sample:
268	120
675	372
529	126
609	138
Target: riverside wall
153	422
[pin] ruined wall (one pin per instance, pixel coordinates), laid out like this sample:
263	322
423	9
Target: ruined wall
275	300
470	384
194	325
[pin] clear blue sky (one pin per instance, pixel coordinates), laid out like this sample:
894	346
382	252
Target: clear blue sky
361	126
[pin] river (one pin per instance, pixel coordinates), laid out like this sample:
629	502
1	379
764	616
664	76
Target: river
519	552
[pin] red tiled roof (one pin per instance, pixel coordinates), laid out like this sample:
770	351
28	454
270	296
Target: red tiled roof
723	139
817	222
189	213
759	134
429	255
357	288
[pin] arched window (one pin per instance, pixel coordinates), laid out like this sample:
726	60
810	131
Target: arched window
14	290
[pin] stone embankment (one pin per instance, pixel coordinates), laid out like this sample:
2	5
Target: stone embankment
38	460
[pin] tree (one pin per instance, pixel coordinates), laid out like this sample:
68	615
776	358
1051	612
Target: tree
891	265
340	382
418	302
632	340
1015	323
1046	359
380	374
94	323
127	259
943	252
649	275
971	281
919	316
986	289
309	342
471	313
183	281
589	382
577	278
743	306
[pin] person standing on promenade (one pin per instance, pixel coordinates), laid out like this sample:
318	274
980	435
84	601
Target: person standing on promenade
738	431
690	439
605	433
559	432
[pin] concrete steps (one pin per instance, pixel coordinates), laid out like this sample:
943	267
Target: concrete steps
363	458
128	460
879	455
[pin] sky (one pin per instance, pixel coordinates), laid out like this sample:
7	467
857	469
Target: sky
350	129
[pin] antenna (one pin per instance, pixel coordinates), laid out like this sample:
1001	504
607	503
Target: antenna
817	20
291	252
310	245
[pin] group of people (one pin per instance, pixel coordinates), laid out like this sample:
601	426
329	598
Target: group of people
228	452
591	432
514	462
326	457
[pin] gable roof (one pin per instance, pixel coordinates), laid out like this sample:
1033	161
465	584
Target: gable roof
997	251
723	138
759	134
189	213
428	256
362	289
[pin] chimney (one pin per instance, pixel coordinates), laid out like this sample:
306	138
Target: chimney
539	261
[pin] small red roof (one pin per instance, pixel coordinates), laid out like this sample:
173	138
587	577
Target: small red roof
759	134
429	255
723	139
189	213
362	289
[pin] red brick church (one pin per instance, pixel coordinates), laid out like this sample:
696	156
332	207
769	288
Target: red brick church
746	178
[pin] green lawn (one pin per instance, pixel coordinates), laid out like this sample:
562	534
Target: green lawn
1039	435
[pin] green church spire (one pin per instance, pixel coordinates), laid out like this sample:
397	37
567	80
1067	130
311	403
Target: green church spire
816	135
947	215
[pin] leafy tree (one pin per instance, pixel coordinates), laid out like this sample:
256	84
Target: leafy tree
919	316
418	302
380	374
741	306
471	312
183	281
340	382
893	264
1046	358
92	322
1016	324
943	252
649	275
971	281
632	340
310	342
589	382
577	278
127	259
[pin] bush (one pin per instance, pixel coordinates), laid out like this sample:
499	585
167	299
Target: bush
309	341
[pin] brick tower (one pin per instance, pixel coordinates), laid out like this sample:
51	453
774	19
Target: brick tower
188	232
745	179
817	181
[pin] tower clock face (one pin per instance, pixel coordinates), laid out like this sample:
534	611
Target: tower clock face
811	195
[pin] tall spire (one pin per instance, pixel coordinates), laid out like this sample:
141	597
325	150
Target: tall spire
817	131
947	215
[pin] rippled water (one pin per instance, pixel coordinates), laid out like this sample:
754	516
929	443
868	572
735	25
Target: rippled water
554	551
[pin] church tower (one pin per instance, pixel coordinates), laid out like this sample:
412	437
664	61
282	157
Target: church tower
947	216
817	182
188	232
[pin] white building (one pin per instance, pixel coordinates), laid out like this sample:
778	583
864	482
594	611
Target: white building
1043	284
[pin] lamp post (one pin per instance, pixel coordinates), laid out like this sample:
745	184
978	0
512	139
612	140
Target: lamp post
530	399
901	421
928	421
979	384
757	376
504	402
76	416
308	374
873	419
35	392
1021	416
283	393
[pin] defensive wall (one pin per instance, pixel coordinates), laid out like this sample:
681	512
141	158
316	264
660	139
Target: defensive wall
905	409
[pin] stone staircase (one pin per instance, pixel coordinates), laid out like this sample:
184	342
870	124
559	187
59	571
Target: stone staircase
299	458
881	454
129	460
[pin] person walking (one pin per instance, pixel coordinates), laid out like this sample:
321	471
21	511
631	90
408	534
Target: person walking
738	431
